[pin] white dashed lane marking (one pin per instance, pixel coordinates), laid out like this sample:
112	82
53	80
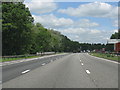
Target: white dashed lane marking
87	71
43	64
0	64
25	71
82	64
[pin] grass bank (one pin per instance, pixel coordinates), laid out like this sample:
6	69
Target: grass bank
106	56
12	59
19	58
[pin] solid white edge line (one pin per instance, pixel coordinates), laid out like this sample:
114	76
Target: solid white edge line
25	71
80	60
43	64
87	71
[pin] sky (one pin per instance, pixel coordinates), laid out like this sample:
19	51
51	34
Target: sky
85	22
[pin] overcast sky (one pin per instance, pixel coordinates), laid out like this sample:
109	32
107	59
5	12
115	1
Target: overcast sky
91	22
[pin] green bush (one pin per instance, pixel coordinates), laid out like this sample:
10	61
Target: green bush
108	55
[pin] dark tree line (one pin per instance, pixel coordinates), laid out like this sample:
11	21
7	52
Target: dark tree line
20	35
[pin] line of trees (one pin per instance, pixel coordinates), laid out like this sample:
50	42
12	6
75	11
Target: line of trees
20	35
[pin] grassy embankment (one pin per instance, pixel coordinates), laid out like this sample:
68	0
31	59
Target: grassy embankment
106	56
19	58
12	59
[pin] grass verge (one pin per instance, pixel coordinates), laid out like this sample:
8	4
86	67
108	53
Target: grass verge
106	56
12	59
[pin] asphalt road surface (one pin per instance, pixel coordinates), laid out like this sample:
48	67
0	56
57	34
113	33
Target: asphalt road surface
10	71
77	70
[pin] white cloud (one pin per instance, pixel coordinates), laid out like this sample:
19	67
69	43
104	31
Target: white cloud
95	31
76	30
73	31
86	35
115	30
51	21
80	31
85	23
38	6
94	9
115	23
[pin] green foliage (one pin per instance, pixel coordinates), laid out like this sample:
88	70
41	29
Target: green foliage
56	41
115	35
109	47
106	56
43	38
16	28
